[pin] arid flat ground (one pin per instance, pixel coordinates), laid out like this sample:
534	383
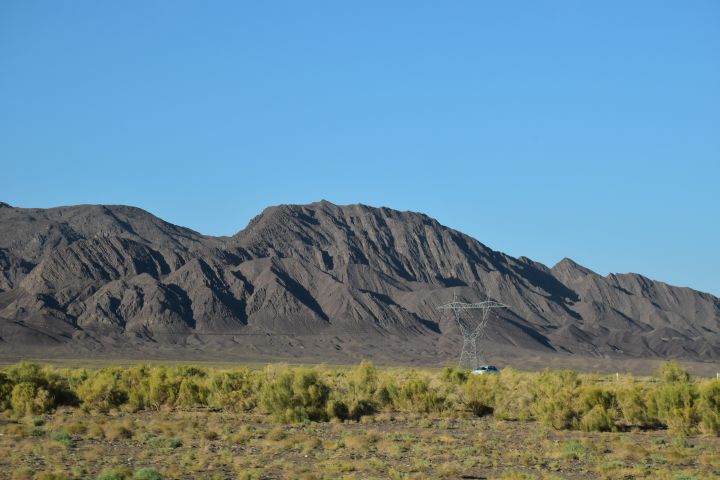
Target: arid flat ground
516	358
219	445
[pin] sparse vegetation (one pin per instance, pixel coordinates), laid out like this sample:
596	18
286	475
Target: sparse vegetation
355	422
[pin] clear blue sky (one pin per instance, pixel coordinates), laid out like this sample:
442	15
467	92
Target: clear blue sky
546	129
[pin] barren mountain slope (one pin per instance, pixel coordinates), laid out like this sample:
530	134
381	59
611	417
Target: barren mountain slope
350	278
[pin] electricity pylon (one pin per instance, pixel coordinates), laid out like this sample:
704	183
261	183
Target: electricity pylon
471	357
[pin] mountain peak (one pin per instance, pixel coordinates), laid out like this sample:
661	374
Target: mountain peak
568	266
322	268
566	262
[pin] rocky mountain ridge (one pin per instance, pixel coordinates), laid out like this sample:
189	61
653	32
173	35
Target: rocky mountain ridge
104	277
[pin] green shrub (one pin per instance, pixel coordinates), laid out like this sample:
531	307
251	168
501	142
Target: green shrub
236	390
597	419
114	475
455	375
596	409
361	408
103	390
363	380
575	450
23	473
554	394
674	401
386	391
27	399
162	388
672	371
416	395
363	386
637	406
117	431
337	409
191	394
709	407
135	381
147	474
189	371
561	399
24	372
480	394
295	396
6	388
514	395
63	438
50	388
50	476
173	442
154	440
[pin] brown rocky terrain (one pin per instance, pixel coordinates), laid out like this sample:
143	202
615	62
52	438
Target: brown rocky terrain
316	282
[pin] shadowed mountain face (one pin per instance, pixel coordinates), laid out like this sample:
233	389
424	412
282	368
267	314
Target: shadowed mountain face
362	280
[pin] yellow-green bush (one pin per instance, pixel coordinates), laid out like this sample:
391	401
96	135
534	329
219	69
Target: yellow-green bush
162	388
29	389
25	372
709	407
597	419
674	400
362	388
513	396
596	409
554	394
296	395
236	390
562	399
415	394
337	409
672	372
6	388
636	405
455	375
103	390
135	380
27	399
480	394
191	393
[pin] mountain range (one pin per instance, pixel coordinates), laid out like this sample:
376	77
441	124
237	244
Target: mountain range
317	282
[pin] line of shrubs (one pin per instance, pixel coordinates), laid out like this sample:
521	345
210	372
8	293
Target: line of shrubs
560	399
568	400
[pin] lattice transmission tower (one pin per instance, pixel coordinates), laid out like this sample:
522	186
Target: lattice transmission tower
471	328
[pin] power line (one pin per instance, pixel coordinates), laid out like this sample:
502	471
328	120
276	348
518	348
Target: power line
470	356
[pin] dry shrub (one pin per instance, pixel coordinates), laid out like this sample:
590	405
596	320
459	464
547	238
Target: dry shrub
27	399
235	390
596	409
636	405
118	431
295	396
191	393
103	390
554	393
413	395
675	399
480	394
513	396
709	407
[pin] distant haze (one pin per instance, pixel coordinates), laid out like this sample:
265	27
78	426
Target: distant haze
546	129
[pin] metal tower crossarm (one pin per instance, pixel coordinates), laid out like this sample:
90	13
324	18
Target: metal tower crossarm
470	356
